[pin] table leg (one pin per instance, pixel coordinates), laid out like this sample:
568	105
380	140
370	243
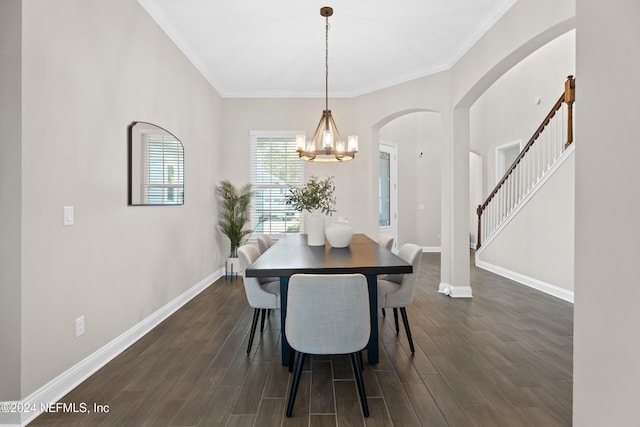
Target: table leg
372	347
286	348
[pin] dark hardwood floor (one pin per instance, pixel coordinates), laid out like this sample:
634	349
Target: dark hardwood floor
502	358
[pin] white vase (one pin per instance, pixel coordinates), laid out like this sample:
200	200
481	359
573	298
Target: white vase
315	229
339	233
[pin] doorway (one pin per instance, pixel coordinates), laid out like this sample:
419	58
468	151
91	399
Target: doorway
505	156
388	192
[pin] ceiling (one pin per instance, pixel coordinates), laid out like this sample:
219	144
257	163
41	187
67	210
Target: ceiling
255	48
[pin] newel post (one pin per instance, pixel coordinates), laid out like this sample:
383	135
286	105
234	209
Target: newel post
569	98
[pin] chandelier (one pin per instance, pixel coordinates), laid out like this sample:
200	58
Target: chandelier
326	145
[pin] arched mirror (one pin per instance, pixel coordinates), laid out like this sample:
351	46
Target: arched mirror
156	166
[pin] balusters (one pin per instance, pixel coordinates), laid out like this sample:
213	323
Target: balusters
537	157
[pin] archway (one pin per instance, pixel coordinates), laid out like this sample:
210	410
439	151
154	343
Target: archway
417	134
455	271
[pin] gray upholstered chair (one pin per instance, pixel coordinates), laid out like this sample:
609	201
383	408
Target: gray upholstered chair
397	290
261	296
327	314
385	241
264	243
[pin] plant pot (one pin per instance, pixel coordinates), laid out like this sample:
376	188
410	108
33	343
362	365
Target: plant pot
315	229
339	232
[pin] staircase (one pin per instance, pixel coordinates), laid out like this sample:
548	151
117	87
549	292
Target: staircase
542	153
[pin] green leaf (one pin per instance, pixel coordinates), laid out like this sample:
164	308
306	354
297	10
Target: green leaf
316	194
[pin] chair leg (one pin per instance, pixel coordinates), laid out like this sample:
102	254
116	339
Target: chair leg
360	359
264	314
358	373
292	359
405	320
395	318
296	382
383	313
256	314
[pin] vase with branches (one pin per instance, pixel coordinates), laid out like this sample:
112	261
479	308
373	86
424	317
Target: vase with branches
315	196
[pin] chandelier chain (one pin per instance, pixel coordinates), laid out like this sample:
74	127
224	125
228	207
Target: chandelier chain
326	145
326	64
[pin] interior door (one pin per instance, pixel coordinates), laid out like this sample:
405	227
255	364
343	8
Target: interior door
388	192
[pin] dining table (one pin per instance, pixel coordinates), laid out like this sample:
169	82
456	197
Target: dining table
291	255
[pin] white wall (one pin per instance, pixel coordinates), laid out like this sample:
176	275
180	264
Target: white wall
357	180
537	246
418	176
475	195
508	112
607	319
87	74
524	28
243	115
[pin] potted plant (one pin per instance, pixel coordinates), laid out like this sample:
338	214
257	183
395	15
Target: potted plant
315	197
233	216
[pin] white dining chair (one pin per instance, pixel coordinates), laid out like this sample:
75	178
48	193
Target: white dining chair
386	241
264	243
327	314
397	290
260	296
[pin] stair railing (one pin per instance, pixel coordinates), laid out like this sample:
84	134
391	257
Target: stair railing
536	158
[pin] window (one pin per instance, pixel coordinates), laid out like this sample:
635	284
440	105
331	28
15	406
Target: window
163	171
275	166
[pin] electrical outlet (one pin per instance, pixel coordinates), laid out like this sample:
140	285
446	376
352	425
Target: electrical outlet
79	326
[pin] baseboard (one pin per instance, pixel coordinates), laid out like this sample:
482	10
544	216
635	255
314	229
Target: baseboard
54	390
431	249
455	291
545	287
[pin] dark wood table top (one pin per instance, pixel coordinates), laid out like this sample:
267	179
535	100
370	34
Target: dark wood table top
291	255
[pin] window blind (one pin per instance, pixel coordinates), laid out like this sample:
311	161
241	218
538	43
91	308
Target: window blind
275	166
163	181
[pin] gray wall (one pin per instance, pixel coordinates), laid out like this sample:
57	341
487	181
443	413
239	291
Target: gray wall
607	319
87	74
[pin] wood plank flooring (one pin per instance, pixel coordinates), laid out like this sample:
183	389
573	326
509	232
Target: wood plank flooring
502	358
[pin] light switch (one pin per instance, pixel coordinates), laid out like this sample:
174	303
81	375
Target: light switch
68	215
